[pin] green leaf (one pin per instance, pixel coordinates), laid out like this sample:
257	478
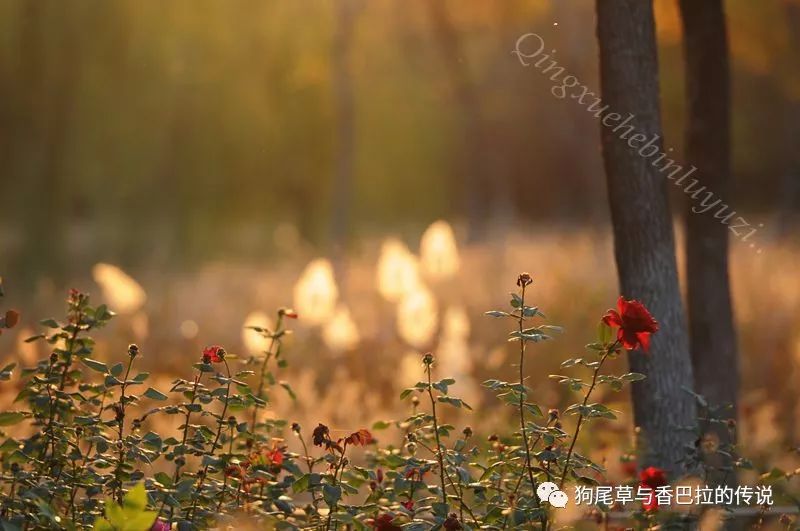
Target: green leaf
95	365
633	377
9	418
117	369
603	333
456	402
332	494
50	323
301	483
289	390
154	394
406	392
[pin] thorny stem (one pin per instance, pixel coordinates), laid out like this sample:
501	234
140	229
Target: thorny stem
339	467
462	504
596	373
273	340
310	464
522	396
222	422
519	480
225	480
85	457
121	425
438	452
179	464
71	348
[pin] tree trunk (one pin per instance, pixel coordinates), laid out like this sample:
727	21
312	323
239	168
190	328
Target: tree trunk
345	127
643	237
471	175
708	148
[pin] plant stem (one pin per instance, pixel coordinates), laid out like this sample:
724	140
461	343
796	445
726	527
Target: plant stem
310	463
121	425
522	396
179	465
222	422
580	415
225	481
339	467
273	340
439	456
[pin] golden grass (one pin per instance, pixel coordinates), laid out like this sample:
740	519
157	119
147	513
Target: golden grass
358	339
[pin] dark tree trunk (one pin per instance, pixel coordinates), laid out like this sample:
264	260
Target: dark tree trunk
643	237
711	329
789	206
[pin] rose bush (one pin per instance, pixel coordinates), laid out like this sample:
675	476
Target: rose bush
80	453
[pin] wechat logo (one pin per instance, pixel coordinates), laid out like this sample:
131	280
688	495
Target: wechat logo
548	492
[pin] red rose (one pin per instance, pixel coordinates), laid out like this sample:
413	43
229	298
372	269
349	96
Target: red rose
652	478
634	322
213	354
275	456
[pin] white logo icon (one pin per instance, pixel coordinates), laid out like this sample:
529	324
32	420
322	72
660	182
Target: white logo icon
548	491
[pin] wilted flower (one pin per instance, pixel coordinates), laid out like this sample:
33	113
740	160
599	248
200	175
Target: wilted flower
11	319
451	523
524	280
213	354
634	322
320	435
385	522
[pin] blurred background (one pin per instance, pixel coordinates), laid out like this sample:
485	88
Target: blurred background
386	167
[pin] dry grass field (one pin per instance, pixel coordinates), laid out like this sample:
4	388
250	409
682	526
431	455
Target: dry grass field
364	323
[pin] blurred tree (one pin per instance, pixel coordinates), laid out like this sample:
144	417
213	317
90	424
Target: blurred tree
643	237
789	207
471	177
712	333
342	79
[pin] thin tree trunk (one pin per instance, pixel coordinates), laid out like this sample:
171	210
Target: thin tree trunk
345	126
471	175
708	147
643	236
